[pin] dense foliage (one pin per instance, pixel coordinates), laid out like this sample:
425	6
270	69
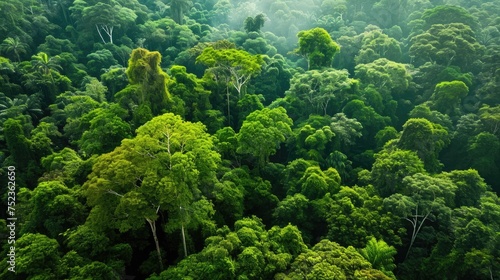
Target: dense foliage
245	139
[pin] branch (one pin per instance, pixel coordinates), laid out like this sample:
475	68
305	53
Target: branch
113	192
100	35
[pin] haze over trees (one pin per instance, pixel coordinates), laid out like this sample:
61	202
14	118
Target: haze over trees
316	139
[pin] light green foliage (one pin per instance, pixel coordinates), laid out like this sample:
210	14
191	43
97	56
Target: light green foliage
389	77
315	183
147	82
329	260
36	256
233	65
427	139
375	45
318	48
250	252
448	96
164	168
262	133
320	91
380	255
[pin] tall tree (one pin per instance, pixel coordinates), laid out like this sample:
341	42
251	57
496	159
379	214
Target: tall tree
147	83
178	8
427	139
317	47
254	24
105	17
166	168
262	133
233	67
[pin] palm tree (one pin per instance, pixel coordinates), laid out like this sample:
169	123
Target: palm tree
178	7
45	64
380	255
20	105
13	46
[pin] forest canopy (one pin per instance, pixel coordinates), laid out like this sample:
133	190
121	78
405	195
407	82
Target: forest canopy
245	139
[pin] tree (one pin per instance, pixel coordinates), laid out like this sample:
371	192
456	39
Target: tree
427	139
104	17
354	215
44	64
54	208
166	167
147	82
329	260
323	91
390	167
254	24
178	8
317	47
389	77
470	187
375	45
248	252
106	124
99	60
380	255
14	46
423	198
446	14
262	133
190	89
37	256
446	44
236	66
447	97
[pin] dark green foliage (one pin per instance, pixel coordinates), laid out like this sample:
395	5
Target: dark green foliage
218	139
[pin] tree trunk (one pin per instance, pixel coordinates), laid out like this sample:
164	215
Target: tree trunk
184	240
153	230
